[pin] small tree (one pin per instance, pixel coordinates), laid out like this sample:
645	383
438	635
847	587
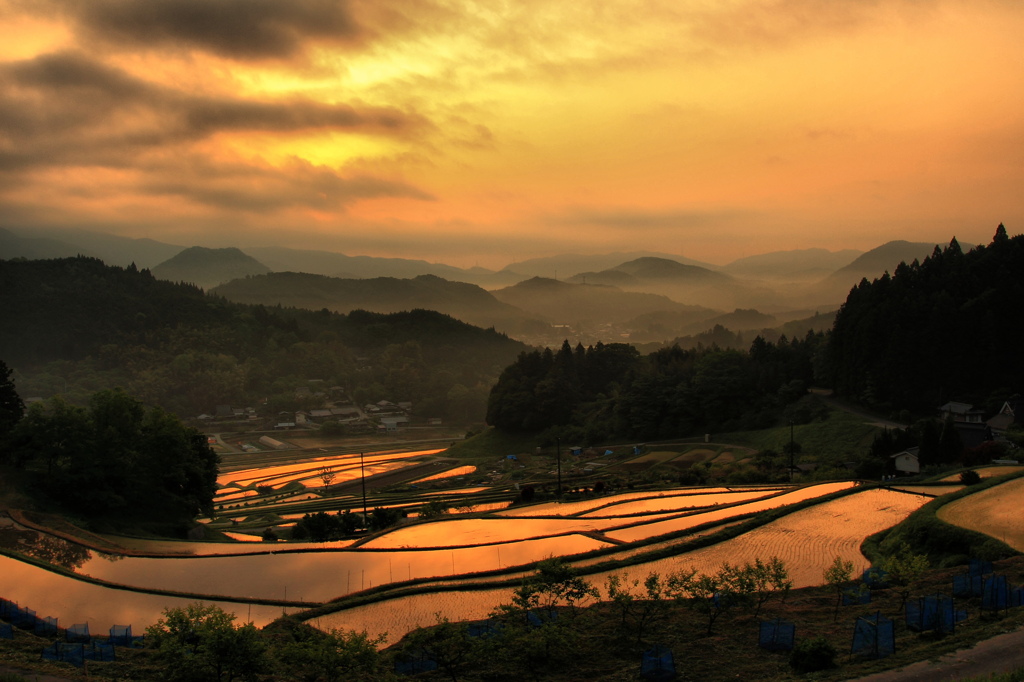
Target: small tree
904	568
327	476
766	580
710	595
838	576
312	655
201	642
639	610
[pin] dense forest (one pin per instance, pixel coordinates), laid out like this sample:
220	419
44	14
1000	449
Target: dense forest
75	326
611	391
116	461
944	329
948	328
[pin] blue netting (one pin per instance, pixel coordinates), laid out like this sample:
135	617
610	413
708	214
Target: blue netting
78	633
66	653
7	607
857	595
488	628
120	635
874	637
979	567
658	664
411	663
100	652
46	627
967	585
24	618
1017	596
776	635
934	612
6	631
875	578
995	594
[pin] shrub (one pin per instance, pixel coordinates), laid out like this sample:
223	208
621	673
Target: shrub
970	477
813	654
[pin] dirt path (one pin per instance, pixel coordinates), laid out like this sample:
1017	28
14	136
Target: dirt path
1000	654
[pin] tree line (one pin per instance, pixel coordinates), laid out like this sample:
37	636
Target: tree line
945	328
115	462
610	391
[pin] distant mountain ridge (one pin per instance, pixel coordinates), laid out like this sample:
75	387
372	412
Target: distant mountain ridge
569	303
208	268
466	302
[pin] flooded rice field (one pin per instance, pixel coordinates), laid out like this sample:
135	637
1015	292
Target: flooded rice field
680	523
237	574
807	541
583	506
995	512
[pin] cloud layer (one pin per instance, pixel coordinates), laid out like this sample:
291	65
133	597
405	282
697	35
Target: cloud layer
441	127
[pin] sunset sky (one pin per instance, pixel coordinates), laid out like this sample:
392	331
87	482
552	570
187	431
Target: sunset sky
488	132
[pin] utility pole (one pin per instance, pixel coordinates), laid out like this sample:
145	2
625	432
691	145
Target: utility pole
362	475
791	452
558	454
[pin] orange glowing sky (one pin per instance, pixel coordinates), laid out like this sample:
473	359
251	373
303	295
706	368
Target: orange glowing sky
487	132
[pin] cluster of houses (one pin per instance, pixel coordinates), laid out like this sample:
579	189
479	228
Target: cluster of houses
972	427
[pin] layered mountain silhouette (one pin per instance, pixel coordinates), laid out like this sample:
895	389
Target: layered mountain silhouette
207	268
463	301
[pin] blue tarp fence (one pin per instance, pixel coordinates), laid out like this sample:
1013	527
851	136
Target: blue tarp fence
46	627
658	664
934	612
78	634
776	635
874	637
78	653
967	585
7	607
979	567
995	593
121	635
6	631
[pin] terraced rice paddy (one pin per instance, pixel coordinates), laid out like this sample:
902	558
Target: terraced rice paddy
461	548
807	540
988	472
575	508
681	523
451	473
994	511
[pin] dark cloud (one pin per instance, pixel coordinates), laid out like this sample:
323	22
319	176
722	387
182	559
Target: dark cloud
236	29
68	108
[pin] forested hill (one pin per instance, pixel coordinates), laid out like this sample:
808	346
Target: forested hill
78	321
947	328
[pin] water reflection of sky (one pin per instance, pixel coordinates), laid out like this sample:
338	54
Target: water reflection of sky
73	601
317	576
321	576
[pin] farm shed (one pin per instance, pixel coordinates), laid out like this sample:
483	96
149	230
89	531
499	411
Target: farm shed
907	462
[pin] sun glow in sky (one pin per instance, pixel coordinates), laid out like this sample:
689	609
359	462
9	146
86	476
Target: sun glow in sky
479	132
